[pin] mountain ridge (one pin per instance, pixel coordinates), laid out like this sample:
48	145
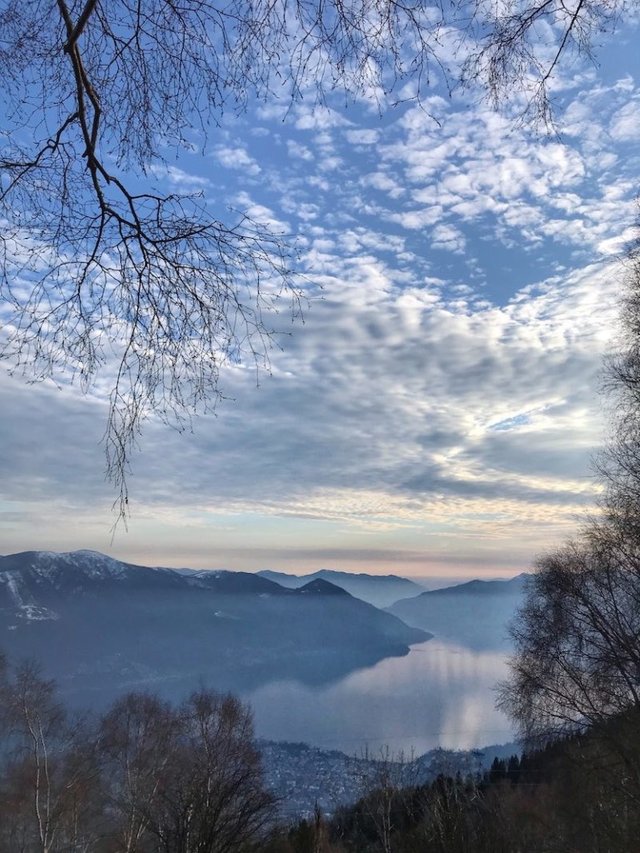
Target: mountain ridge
99	624
476	613
379	590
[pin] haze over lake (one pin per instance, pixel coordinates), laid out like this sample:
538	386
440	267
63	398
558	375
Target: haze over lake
316	663
440	694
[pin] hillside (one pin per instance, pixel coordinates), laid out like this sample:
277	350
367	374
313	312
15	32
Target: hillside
543	800
476	613
99	626
379	590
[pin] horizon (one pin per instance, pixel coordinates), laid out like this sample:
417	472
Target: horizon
438	580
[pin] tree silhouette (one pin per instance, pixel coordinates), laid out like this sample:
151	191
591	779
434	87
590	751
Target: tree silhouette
577	661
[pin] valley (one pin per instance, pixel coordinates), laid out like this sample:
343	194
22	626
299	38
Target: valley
101	627
316	664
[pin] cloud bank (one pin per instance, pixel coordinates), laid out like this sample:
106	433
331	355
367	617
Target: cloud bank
437	410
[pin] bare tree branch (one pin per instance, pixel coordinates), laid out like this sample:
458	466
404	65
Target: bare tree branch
99	274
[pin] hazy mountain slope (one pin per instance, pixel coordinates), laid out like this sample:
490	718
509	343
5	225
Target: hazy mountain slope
379	590
476	613
101	625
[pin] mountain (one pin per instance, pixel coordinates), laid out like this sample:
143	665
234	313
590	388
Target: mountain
475	613
379	590
100	626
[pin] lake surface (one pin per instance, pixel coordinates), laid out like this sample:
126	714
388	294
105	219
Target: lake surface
440	694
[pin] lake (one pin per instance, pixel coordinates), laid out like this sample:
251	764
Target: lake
440	694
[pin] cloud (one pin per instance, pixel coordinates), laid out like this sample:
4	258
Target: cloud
449	238
238	158
295	149
439	401
380	416
625	124
318	118
179	179
478	167
363	136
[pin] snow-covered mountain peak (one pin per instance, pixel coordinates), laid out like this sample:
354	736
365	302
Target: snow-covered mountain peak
51	566
96	565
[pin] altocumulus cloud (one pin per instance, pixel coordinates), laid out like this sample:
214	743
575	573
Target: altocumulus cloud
439	402
380	414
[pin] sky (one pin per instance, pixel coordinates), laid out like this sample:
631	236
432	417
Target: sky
436	410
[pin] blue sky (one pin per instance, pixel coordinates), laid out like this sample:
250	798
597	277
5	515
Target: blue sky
437	410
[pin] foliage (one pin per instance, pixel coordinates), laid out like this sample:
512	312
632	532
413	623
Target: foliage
565	796
146	777
574	686
577	650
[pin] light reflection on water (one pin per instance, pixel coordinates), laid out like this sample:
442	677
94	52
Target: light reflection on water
440	694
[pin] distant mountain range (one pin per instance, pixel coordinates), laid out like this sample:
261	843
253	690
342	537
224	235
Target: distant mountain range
379	590
100	626
476	613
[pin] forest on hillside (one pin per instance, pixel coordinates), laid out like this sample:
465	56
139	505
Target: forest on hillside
575	794
149	777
